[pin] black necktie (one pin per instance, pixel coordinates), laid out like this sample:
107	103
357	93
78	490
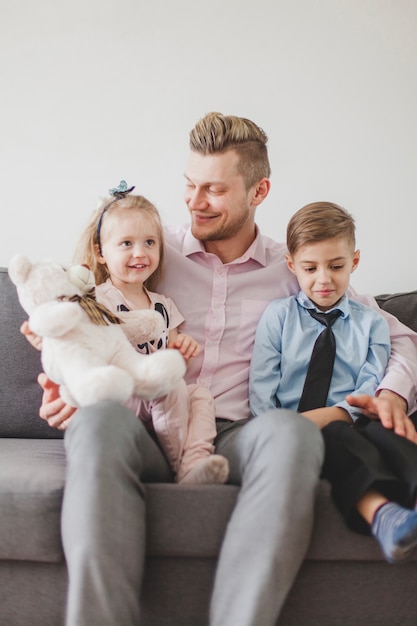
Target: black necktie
320	369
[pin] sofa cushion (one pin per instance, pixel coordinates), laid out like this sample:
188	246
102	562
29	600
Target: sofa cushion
20	394
32	473
191	521
187	522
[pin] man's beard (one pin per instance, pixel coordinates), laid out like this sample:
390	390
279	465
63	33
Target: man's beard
224	231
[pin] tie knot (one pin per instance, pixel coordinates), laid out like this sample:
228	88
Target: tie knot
327	319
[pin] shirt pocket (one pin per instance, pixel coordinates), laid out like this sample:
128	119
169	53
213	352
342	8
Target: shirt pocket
250	314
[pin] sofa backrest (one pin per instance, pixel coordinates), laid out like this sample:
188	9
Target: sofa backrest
20	394
402	305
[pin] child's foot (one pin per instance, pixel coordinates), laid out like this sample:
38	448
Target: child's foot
395	528
214	470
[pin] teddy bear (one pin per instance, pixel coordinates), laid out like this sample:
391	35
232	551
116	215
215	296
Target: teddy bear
84	348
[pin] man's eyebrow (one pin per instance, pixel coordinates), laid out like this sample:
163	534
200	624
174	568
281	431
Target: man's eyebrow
207	183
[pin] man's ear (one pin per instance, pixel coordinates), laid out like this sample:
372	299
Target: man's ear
261	190
290	263
356	259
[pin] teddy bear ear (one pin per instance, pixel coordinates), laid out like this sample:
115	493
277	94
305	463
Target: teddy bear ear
82	277
19	268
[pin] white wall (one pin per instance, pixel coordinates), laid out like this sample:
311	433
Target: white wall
93	91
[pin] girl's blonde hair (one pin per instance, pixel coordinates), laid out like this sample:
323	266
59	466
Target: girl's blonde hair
88	245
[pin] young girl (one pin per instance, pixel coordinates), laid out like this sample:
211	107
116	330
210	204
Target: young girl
123	246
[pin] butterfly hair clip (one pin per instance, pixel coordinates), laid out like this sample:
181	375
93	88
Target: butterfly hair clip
121	190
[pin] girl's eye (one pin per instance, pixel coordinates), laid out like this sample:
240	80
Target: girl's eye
337	267
150	242
125	243
310	269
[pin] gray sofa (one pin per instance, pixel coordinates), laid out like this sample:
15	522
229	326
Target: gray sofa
343	580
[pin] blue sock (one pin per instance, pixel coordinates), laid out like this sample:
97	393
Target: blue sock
395	528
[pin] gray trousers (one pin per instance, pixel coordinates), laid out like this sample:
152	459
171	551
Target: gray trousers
276	458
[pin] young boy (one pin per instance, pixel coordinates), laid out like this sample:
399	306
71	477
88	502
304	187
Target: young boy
372	470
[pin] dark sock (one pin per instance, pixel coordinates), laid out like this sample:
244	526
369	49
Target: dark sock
395	528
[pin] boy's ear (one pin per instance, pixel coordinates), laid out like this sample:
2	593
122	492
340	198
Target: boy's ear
290	263
356	259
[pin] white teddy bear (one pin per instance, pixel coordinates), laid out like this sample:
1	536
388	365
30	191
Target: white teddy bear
86	354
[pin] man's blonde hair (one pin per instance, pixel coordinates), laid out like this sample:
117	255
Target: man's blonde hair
88	244
216	133
318	221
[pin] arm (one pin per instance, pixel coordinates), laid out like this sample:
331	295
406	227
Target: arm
265	366
323	416
401	374
53	409
396	393
372	359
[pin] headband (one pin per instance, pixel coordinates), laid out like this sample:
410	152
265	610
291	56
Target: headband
118	193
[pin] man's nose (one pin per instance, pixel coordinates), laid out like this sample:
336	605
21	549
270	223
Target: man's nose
197	199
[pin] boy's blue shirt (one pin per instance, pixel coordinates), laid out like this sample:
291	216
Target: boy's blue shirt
284	341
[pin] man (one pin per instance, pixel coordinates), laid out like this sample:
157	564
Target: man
221	273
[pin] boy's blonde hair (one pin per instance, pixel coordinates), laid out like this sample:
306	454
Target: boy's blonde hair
318	221
88	244
216	133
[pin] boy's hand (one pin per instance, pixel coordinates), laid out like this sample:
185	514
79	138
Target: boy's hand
186	345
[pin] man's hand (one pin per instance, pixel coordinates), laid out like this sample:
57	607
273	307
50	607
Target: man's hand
53	409
390	409
33	339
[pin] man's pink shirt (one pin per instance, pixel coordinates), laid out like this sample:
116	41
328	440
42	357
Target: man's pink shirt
222	304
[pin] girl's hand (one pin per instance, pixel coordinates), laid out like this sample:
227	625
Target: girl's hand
33	339
186	345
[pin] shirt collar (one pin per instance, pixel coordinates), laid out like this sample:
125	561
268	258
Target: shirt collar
342	305
256	250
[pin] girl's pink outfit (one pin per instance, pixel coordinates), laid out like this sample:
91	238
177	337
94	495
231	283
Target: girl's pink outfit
184	420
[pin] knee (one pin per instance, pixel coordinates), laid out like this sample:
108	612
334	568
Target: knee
338	430
101	428
283	432
279	422
198	393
